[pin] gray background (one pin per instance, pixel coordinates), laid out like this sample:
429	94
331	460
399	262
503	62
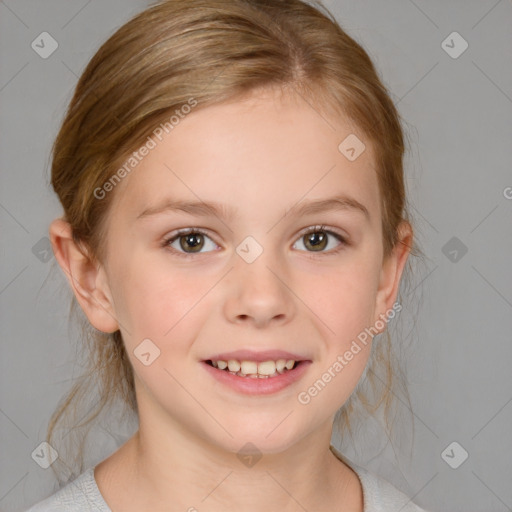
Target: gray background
459	121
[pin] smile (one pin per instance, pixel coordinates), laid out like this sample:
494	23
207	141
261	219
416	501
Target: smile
247	378
254	369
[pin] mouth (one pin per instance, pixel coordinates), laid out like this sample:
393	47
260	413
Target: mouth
260	372
250	369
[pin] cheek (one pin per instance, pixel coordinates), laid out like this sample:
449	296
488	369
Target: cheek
150	299
345	309
343	301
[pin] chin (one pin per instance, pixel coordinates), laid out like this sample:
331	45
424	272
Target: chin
259	438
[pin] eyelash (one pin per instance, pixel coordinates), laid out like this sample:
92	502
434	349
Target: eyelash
313	229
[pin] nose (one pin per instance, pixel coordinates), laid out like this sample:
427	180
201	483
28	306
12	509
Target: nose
258	293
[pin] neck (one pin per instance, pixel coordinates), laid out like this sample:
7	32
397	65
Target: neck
154	469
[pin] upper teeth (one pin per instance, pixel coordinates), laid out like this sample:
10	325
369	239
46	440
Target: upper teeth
253	367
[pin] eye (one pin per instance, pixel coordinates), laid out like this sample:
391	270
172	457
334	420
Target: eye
316	239
191	241
188	242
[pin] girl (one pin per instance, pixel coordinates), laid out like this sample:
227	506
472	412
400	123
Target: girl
235	231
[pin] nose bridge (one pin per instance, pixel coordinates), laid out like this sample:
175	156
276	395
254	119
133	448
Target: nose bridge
257	290
256	267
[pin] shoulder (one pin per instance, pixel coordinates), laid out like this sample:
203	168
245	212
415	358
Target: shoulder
379	495
80	494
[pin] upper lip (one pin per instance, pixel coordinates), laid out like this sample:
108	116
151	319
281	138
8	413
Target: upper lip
250	355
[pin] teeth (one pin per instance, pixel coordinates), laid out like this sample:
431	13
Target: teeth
253	369
280	364
267	368
249	368
233	365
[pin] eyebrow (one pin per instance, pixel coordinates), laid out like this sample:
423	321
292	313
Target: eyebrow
204	209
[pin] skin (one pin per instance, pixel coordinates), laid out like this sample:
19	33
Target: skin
260	156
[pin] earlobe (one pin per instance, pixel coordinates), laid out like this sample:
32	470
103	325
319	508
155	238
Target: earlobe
392	270
84	276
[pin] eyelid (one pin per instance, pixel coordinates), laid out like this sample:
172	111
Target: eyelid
167	239
327	229
343	239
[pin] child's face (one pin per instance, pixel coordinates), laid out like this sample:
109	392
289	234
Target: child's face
259	159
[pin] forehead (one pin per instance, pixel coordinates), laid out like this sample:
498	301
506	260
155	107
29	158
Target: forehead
258	155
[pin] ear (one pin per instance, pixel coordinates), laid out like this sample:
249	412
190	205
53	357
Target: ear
86	278
391	272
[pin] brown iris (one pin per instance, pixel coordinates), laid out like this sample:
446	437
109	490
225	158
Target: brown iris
316	240
194	242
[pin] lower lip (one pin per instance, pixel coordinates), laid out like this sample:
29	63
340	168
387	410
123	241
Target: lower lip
252	386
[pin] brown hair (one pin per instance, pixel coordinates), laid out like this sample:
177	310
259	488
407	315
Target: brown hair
212	51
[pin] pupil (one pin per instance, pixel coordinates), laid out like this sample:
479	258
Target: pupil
317	240
191	241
